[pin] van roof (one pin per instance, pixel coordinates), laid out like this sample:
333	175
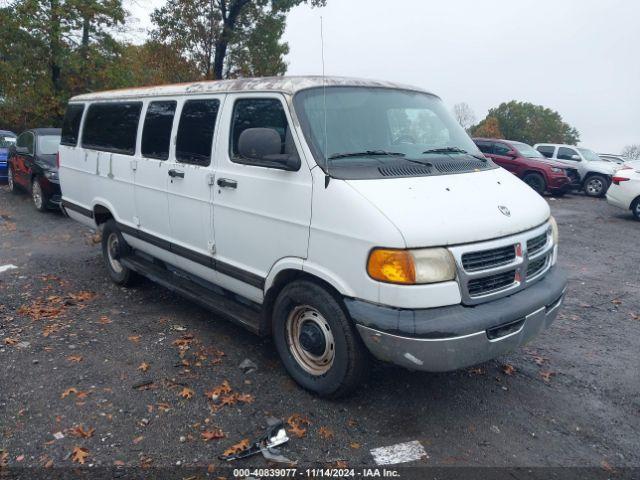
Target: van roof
289	85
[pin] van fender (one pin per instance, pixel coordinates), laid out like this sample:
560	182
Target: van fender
310	268
104	203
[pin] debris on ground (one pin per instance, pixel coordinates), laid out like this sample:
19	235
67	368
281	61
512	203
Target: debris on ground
274	436
247	366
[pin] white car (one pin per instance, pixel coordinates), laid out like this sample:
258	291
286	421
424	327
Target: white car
595	173
339	216
624	191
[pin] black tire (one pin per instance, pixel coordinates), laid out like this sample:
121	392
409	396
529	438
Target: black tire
595	186
348	367
39	199
112	239
13	186
635	208
535	181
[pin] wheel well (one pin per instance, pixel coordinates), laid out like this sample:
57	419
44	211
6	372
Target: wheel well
534	172
101	214
283	279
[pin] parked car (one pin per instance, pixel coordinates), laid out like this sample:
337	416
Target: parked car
624	191
33	167
529	165
419	249
608	157
595	173
7	139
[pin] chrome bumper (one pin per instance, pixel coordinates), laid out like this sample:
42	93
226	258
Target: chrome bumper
444	354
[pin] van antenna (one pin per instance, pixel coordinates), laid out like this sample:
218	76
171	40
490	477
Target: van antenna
327	177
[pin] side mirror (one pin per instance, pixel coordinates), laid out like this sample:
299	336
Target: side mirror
576	158
262	147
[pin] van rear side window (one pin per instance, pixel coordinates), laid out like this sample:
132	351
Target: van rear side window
195	132
112	127
156	133
71	124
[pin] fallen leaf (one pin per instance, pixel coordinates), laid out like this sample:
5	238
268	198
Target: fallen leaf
11	341
68	392
212	434
477	371
352	422
296	421
134	338
79	455
186	393
342	464
546	376
508	369
75	358
539	360
80	432
104	320
82	296
237	448
137	440
245	398
164	407
144	366
325	433
355	445
222	389
616	301
48	464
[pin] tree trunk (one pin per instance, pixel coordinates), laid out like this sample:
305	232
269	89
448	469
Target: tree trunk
228	25
54	46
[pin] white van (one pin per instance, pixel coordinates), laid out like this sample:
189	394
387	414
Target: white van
337	215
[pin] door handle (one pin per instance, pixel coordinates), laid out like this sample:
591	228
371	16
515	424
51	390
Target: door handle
176	173
227	183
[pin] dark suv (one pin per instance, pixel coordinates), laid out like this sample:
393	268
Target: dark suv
529	165
33	166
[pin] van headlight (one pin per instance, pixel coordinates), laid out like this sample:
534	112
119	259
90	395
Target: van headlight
411	267
554	229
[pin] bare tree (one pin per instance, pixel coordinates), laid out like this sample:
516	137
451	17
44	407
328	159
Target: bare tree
632	152
464	115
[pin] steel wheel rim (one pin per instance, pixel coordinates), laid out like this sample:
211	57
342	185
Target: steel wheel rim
10	179
594	186
306	317
113	245
36	193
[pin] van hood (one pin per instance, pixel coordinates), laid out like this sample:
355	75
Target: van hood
455	209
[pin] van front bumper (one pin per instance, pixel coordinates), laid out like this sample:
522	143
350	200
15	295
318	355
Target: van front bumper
448	338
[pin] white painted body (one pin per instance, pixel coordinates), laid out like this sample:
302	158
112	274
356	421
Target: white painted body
281	220
622	194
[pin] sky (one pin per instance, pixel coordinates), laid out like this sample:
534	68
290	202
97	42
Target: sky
579	57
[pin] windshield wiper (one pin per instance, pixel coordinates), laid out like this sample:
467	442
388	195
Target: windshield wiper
453	150
367	153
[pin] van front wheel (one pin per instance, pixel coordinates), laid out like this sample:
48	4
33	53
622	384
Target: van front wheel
113	248
316	341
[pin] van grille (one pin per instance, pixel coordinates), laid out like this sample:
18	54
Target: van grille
496	268
536	244
536	266
405	171
486	259
492	283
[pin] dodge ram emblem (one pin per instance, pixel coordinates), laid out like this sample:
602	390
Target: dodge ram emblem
504	210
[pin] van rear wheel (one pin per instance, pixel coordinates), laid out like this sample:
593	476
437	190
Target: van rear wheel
316	340
114	248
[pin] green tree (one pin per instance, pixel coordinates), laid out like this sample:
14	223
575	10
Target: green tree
488	128
529	123
244	33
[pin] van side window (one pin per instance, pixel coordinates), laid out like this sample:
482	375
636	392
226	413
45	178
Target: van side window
260	113
546	150
71	124
156	132
112	127
565	153
195	132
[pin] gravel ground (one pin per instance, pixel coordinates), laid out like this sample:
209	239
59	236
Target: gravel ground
119	376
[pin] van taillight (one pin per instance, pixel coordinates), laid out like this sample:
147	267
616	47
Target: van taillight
58	159
617	180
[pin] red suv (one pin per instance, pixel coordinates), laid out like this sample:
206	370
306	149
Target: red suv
529	165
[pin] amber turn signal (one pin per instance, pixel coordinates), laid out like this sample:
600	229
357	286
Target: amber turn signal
391	266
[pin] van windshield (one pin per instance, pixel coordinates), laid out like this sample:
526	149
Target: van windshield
368	126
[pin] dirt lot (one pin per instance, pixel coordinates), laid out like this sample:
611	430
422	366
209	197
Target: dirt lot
123	374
